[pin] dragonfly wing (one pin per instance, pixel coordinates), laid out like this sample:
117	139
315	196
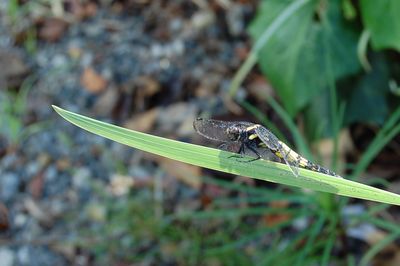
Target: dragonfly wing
215	129
294	166
273	143
266	136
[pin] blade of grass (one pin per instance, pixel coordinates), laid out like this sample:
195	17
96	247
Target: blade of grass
264	120
385	135
298	138
234	186
316	229
375	210
223	161
236	213
328	246
375	249
289	254
330	242
264	38
336	112
271	252
248	238
351	260
386	225
362	48
265	199
254	193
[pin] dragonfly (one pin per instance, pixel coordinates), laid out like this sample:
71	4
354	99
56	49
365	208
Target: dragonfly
255	138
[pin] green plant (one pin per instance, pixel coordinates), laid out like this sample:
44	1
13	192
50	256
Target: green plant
310	49
12	112
23	15
222	161
312	53
312	245
332	219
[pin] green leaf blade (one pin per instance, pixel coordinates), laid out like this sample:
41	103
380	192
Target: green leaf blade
296	52
221	161
382	20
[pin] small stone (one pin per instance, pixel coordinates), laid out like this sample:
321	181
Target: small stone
7	257
13	69
120	185
20	220
51	173
9	160
96	212
59	61
23	255
32	168
9	183
81	178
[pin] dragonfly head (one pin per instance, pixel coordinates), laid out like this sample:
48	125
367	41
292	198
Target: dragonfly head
235	133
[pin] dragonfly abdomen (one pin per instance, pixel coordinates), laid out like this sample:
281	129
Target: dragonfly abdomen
304	163
316	167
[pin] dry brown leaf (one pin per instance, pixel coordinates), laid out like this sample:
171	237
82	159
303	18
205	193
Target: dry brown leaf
274	219
96	212
63	164
36	185
90	9
107	101
81	9
259	87
188	174
65	248
75	52
13	69
325	148
375	236
143	122
37	212
93	81
147	86
388	256
120	184
232	106
4	221
52	29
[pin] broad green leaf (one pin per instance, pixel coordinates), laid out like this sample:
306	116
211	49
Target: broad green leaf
349	11
223	161
382	19
367	102
296	59
317	117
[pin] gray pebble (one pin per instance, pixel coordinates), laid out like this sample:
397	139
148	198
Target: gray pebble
9	183
7	257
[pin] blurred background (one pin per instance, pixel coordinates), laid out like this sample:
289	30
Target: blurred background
322	75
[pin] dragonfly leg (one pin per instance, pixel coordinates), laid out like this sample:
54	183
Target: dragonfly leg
239	152
254	151
222	146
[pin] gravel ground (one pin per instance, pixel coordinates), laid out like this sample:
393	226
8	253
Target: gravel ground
152	66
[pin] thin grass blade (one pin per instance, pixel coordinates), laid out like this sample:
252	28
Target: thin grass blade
223	161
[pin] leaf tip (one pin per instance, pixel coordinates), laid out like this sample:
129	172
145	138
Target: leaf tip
56	108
